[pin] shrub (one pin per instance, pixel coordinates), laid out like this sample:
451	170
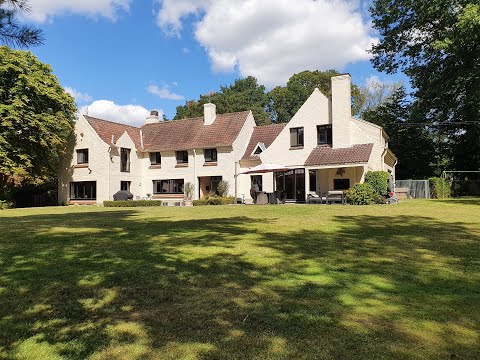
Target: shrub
379	181
5	204
222	188
362	194
130	203
439	188
214	200
188	190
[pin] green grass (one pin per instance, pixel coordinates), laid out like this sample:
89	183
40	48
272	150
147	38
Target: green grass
234	282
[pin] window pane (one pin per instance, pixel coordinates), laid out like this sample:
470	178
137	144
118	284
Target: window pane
82	156
313	180
83	190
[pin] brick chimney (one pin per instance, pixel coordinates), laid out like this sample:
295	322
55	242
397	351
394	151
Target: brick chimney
341	110
209	113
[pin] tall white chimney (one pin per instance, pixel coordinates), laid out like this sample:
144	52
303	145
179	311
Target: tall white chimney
209	113
341	110
153	118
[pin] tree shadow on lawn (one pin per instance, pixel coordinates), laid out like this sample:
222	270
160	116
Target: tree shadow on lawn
116	285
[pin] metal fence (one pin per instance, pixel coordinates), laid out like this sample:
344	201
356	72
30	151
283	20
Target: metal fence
419	189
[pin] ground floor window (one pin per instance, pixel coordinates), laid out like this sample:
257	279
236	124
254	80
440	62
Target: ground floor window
292	183
341	184
125	185
83	190
256	180
171	186
313	180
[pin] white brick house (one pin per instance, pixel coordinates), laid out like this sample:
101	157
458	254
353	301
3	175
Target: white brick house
323	145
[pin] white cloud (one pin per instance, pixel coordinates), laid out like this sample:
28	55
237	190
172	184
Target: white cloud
164	93
126	114
273	39
43	10
78	96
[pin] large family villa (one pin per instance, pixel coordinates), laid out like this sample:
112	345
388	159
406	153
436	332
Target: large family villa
323	147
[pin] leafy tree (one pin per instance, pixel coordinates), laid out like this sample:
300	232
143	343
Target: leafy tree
377	93
11	32
412	143
437	44
36	117
244	94
285	101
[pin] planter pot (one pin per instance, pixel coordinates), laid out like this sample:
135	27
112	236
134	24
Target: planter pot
188	203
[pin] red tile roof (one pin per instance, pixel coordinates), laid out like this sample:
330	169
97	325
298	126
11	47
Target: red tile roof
192	133
262	134
176	134
105	129
325	155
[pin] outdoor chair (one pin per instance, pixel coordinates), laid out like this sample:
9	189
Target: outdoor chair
336	196
314	198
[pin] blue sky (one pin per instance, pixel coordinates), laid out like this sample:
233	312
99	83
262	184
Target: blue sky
122	58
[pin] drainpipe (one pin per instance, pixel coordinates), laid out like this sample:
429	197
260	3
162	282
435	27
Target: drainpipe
235	177
109	151
195	174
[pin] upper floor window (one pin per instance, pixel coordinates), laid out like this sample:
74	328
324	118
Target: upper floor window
324	134
82	156
155	158
182	157
124	160
210	155
296	137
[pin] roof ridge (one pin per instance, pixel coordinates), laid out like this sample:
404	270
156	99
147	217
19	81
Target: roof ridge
195	118
111	122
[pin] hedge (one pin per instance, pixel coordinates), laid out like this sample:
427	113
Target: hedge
379	181
215	200
132	203
439	188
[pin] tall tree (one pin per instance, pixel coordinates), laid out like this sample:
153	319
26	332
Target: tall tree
412	142
36	117
377	93
285	101
244	94
12	33
437	44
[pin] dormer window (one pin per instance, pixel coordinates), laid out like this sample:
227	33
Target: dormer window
82	156
155	158
324	135
210	155
260	148
296	137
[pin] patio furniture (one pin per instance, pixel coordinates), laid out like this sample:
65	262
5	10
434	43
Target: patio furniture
336	196
314	198
262	198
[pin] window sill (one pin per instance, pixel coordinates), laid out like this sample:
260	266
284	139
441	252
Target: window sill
125	171
210	163
181	165
80	166
168	196
155	167
296	147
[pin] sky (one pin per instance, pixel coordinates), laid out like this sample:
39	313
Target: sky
122	58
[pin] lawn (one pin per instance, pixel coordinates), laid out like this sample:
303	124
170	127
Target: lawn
242	282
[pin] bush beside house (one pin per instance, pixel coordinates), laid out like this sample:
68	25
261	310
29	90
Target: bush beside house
215	200
361	194
130	203
379	181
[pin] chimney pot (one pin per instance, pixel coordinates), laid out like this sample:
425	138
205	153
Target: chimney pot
153	117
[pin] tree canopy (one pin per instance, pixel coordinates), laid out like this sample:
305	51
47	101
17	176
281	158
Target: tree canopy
437	44
36	117
278	105
12	33
244	94
284	101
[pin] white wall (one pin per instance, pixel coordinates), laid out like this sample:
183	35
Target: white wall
98	164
